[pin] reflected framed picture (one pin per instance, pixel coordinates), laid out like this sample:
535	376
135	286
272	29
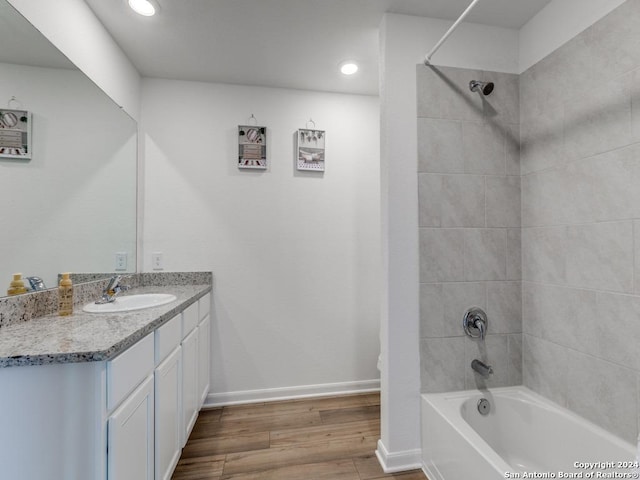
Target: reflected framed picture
15	134
252	147
310	149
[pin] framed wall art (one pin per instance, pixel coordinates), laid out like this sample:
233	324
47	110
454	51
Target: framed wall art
252	147
15	134
310	149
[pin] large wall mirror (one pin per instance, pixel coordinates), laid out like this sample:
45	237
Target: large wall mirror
71	207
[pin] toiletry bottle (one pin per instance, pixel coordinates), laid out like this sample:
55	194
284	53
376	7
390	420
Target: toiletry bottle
65	296
17	285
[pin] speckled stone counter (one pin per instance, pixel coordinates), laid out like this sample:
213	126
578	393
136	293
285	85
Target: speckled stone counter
89	337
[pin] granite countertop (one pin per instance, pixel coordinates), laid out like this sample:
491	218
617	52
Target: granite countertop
90	337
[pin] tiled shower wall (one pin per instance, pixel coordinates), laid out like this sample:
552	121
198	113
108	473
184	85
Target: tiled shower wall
580	121
469	219
580	224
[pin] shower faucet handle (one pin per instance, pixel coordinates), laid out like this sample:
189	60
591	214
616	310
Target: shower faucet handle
475	323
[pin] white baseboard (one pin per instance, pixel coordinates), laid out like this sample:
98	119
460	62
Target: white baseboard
289	393
398	461
432	474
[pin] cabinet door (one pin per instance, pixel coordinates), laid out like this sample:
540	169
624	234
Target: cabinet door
204	360
190	395
130	436
168	415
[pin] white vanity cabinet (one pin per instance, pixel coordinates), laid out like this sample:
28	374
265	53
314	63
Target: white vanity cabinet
204	348
204	359
196	347
168	395
182	347
53	422
131	422
128	370
190	358
131	434
126	418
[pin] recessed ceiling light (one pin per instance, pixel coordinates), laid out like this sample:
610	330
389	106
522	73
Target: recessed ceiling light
143	7
348	68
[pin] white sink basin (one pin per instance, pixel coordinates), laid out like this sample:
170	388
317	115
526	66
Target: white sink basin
130	302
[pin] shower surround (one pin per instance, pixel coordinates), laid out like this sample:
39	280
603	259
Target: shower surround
469	219
580	161
571	194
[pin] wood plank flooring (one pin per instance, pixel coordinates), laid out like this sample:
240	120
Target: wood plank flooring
331	438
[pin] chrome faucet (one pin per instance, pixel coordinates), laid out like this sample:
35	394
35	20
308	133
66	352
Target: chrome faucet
36	284
481	367
112	290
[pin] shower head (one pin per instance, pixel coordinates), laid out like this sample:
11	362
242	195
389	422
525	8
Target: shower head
483	87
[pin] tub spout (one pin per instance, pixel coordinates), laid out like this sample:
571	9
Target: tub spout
482	368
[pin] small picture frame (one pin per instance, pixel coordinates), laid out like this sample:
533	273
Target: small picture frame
252	147
310	149
15	134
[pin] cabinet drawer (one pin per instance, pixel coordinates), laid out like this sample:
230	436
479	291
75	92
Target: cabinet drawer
205	306
168	337
189	319
127	370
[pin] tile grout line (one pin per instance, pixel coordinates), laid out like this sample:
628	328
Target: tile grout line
634	232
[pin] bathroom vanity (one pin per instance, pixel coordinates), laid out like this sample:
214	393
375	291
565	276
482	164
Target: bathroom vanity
104	396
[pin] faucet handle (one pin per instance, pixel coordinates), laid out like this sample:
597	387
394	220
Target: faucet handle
113	282
475	323
480	324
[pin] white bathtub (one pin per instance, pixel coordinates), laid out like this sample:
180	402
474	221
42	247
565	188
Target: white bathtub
523	433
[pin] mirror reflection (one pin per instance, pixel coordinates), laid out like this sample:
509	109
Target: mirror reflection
71	207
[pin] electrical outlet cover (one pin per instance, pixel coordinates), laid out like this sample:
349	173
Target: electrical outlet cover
121	260
157	262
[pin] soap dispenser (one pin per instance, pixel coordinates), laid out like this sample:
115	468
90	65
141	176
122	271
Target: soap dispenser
65	295
16	287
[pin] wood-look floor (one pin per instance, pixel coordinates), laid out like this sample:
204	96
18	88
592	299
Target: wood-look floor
330	438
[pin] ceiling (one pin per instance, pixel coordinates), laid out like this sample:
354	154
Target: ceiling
280	43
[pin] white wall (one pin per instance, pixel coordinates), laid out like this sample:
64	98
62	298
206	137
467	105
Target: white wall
557	23
73	28
295	256
404	42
